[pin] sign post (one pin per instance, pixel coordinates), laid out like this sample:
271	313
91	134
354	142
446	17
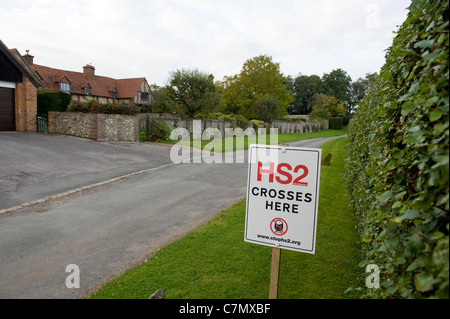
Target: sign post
282	201
274	273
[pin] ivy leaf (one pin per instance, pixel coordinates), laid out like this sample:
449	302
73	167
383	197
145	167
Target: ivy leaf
435	115
440	127
390	165
424	44
410	214
399	261
416	136
398	154
397	204
408	107
424	282
367	239
441	160
414	88
432	100
387	195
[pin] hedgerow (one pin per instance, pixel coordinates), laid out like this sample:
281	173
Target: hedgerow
93	106
397	171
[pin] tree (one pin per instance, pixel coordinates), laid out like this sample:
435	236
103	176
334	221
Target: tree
193	92
328	103
259	77
266	108
304	89
338	84
163	101
358	90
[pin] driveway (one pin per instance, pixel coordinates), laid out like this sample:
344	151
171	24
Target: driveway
33	166
103	230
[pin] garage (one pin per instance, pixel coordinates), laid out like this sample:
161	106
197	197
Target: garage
7	110
18	91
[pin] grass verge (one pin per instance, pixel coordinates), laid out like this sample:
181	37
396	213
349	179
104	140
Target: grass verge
214	262
241	143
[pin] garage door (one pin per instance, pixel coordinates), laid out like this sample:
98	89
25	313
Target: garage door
7	110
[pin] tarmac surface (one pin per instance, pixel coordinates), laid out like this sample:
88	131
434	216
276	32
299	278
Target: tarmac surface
103	206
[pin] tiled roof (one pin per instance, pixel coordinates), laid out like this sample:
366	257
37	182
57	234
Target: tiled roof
16	59
100	85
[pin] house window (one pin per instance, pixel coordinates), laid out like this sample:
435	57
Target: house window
114	95
144	96
65	87
87	90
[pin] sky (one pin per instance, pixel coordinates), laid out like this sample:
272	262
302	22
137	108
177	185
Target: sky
152	38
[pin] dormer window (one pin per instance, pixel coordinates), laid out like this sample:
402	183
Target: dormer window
65	87
87	90
114	95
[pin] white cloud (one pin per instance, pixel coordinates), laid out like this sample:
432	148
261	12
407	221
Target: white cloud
153	38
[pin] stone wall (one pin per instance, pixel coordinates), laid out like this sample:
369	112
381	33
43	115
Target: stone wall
299	126
146	120
115	127
99	127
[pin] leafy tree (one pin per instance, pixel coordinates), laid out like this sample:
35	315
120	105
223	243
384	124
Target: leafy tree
338	84
304	88
266	108
328	103
163	101
192	91
358	90
260	77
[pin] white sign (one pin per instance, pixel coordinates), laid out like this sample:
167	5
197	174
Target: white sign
283	197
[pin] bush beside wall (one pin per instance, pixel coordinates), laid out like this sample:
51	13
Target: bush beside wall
51	101
336	123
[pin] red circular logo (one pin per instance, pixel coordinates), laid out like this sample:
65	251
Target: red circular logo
278	226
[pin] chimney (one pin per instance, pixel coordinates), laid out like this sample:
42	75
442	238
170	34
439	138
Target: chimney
89	72
28	58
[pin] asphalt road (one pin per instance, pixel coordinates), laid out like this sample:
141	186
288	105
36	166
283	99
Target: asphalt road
33	166
108	229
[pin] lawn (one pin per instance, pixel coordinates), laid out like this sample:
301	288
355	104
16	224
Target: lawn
241	143
213	261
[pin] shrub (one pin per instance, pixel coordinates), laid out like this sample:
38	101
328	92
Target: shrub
52	101
336	123
256	124
318	114
266	108
397	170
76	106
241	121
93	106
228	118
160	131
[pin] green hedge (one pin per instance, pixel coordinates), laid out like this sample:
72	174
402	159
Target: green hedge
52	101
397	170
336	123
93	106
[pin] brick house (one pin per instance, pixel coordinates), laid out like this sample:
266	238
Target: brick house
18	92
87	85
